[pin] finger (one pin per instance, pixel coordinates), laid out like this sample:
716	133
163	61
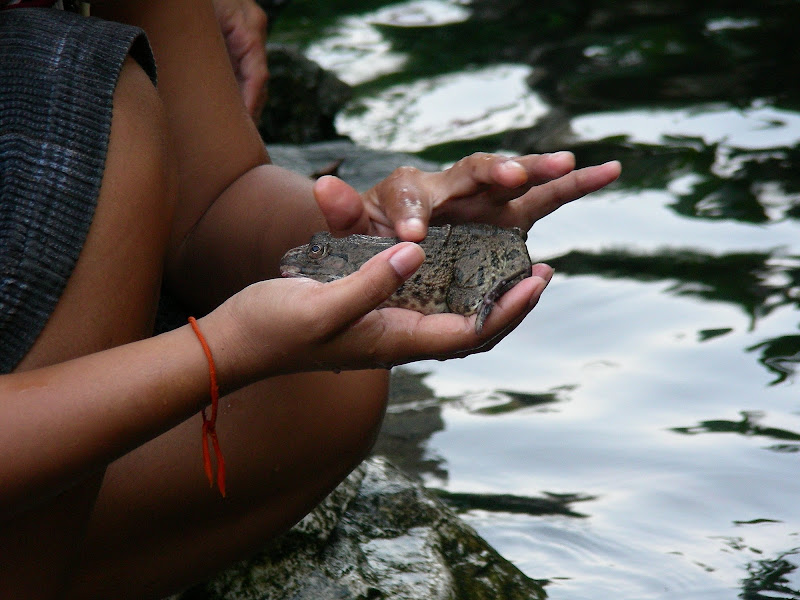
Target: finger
254	75
366	289
546	198
487	182
341	206
542	270
410	336
515	304
466	175
538	271
405	200
254	61
542	168
530	291
471	173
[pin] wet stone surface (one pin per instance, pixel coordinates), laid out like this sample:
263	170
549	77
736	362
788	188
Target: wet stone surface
379	535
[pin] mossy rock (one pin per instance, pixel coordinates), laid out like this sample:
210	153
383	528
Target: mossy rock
379	535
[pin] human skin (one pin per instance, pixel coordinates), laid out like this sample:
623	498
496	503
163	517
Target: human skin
244	28
100	456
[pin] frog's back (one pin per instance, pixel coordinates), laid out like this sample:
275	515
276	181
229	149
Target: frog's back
490	261
467	267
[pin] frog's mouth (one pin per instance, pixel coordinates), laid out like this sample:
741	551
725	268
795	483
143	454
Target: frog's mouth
290	271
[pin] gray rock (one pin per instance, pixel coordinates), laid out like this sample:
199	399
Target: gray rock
273	8
303	99
378	535
360	167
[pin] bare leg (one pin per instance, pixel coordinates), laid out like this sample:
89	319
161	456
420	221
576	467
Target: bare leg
110	299
288	441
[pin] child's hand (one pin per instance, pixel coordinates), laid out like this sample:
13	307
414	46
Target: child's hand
282	326
485	188
244	26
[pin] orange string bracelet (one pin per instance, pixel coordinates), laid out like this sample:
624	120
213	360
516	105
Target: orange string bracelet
210	423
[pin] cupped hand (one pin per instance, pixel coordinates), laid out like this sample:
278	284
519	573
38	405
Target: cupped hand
489	188
281	326
244	26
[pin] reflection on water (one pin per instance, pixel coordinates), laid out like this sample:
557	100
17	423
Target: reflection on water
757	127
581	446
549	504
772	578
356	49
444	108
773	283
748	426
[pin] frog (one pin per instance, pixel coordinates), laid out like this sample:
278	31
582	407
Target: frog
467	266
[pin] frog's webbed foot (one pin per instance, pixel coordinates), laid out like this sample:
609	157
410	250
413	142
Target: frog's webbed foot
499	288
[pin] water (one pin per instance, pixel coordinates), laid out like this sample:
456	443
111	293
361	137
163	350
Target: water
653	393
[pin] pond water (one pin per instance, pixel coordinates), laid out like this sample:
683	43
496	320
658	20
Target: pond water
652	399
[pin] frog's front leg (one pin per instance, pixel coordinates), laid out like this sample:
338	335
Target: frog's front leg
499	288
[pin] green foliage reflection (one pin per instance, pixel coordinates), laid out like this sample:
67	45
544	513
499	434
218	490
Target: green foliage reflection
768	579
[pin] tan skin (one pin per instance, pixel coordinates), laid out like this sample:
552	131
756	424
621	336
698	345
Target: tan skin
100	452
244	27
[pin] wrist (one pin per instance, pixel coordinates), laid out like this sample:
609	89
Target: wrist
226	341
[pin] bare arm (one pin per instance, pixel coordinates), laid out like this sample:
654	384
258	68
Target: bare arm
71	419
65	421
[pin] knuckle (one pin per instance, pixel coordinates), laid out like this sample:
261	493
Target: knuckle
308	318
404	173
474	164
376	349
479	159
376	292
318	325
258	17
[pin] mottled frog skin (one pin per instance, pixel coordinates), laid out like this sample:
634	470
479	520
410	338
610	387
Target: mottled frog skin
466	268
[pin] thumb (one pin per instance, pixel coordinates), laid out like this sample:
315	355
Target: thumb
341	205
366	289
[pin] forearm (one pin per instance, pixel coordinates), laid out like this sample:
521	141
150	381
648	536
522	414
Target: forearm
63	422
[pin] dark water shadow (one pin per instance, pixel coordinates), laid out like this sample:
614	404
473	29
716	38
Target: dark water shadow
548	504
748	426
743	279
513	401
769	578
415	414
781	356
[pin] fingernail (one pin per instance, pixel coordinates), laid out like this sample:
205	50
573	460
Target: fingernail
539	290
543	270
407	259
415	228
512	164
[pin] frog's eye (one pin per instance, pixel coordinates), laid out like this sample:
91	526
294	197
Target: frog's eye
316	250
